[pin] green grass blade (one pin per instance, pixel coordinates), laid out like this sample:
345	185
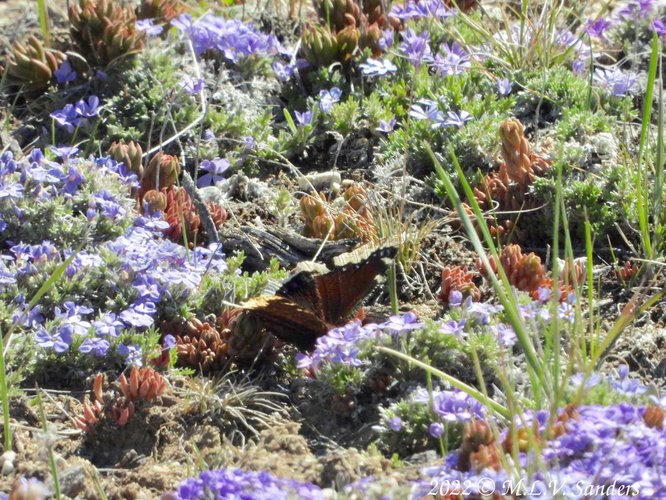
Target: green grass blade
476	394
44	21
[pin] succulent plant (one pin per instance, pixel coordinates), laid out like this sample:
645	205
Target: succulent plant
654	417
30	66
628	271
161	11
104	31
508	189
319	46
200	345
525	272
118	406
129	153
460	279
323	220
162	172
478	450
180	212
346	27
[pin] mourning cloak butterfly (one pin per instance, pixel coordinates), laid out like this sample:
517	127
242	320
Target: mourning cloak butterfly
309	304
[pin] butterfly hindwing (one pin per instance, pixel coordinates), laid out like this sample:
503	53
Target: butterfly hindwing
287	320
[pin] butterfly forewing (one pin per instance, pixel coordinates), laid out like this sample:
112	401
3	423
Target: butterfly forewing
343	289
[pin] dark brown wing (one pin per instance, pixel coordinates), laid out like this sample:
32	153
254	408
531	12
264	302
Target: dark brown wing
342	290
301	289
287	320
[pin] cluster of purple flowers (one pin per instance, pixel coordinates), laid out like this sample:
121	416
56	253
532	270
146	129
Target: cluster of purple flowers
74	116
428	110
233	38
223	484
451	406
421	10
344	344
608	447
617	82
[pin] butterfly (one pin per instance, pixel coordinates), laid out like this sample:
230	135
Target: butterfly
312	302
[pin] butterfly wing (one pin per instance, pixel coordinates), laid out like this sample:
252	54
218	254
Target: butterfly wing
342	290
301	289
287	320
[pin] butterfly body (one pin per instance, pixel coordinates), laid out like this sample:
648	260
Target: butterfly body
310	303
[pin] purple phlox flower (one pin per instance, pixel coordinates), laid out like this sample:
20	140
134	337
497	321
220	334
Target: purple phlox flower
374	67
74	325
436	429
454	327
72	181
41	175
659	27
579	66
248	142
148	289
12	190
544	294
566	312
453	61
505	334
119	168
108	325
480	311
7	163
416	47
615	81
455	298
209	135
32	318
421	10
430	113
98	347
386	126
132	354
503	86
283	71
64	152
136	318
636	8
149	27
345	355
402	323
457	119
7	277
72	309
190	86
457	406
395	424
387	39
304	118
597	28
36	253
241	485
327	98
82	260
36	156
65	73
625	385
54	339
303	361
88	108
577	379
152	222
169	342
215	169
